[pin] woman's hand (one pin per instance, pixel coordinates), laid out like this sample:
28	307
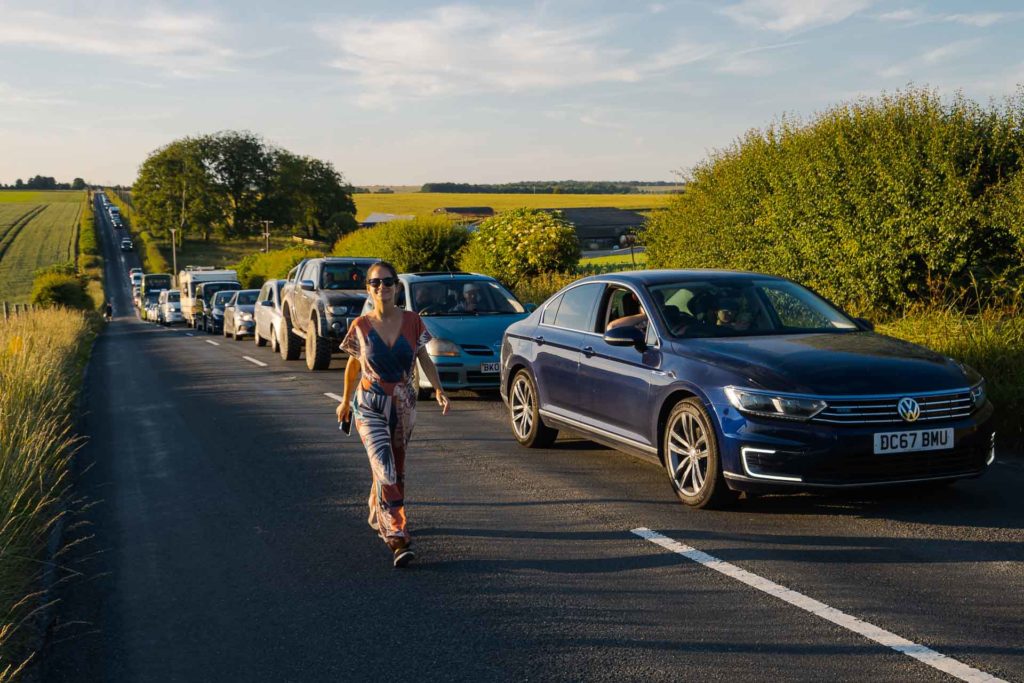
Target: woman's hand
344	409
442	400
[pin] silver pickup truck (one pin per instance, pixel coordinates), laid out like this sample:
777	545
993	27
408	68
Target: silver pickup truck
318	302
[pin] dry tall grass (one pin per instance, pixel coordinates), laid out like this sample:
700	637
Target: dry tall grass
41	355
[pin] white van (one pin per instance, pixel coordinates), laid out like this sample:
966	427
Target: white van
169	311
192	277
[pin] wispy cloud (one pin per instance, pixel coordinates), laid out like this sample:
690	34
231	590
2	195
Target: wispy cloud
459	49
793	15
935	56
751	62
10	95
977	19
186	45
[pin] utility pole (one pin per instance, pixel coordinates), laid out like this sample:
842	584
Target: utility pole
174	258
266	234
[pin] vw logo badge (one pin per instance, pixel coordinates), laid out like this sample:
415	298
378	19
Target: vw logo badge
909	410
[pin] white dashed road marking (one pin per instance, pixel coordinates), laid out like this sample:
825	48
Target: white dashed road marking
255	362
337	398
189	334
921	653
210	341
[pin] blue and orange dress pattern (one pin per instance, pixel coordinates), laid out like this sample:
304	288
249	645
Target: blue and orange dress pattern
384	413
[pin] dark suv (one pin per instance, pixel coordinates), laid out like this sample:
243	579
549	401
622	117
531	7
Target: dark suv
320	299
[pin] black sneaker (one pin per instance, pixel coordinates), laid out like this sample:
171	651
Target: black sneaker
403	556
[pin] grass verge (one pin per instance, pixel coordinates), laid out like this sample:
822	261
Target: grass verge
41	359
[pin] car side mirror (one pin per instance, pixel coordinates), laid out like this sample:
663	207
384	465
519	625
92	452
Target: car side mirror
865	324
307	285
627	335
268	302
530	308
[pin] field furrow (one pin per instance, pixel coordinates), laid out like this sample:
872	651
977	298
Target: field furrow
47	238
13	218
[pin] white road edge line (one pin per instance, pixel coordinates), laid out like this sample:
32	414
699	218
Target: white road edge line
210	341
921	653
337	398
189	334
255	362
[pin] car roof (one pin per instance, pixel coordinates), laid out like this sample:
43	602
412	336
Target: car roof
443	276
659	277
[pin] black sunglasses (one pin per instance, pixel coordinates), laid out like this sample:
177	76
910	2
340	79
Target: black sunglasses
386	281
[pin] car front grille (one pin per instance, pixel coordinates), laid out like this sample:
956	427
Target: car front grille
868	468
478	350
860	411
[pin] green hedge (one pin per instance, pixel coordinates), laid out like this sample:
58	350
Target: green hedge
255	269
878	205
61	289
422	244
520	244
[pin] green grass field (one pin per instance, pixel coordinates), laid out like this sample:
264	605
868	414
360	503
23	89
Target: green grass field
220	254
34	234
615	259
424	203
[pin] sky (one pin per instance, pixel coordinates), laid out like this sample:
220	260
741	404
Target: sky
407	92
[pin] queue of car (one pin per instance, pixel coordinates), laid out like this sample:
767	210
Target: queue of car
734	383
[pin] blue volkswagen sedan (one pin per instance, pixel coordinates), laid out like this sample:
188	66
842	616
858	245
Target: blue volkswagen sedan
737	381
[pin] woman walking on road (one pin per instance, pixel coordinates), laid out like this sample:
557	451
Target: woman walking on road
383	346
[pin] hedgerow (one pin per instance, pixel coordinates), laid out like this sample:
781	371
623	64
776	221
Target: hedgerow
429	243
878	205
520	244
255	269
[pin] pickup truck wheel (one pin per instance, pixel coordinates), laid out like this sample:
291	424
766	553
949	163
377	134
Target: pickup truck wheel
290	342
318	349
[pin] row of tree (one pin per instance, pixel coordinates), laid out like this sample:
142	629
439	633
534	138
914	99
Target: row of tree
229	184
544	187
40	182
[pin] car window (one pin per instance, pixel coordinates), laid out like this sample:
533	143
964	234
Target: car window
550	310
174	297
576	311
463	297
246	298
343	276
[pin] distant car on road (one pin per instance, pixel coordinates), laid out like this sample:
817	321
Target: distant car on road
169	307
267	314
466	314
738	381
213	315
238	313
136	278
204	293
126	245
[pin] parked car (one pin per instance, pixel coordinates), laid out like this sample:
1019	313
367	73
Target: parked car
741	382
466	314
189	281
204	293
151	311
238	313
126	245
213	315
136	278
320	299
267	315
133	271
169	307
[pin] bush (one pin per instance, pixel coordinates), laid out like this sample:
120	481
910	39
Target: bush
538	288
877	205
255	269
522	243
60	289
423	244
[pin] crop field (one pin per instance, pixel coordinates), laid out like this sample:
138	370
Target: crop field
39	196
34	234
424	203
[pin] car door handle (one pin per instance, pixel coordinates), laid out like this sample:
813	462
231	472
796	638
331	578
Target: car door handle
539	340
588	351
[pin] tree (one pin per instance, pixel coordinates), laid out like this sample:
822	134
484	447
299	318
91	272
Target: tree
522	243
174	190
312	195
78	184
241	168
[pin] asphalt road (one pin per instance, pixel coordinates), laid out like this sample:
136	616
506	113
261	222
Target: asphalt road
220	533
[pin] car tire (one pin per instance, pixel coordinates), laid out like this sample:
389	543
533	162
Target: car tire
260	341
692	458
421	393
318	349
524	412
274	346
224	329
235	335
290	342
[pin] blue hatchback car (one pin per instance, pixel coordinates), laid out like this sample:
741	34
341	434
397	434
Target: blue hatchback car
741	382
466	314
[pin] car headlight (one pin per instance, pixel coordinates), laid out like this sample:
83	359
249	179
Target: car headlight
766	404
339	310
443	347
978	394
247	316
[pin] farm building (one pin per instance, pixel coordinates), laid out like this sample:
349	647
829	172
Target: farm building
377	218
602	227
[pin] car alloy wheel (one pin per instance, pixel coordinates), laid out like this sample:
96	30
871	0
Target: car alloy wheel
691	456
527	425
273	340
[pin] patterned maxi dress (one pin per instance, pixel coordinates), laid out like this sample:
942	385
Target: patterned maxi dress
384	413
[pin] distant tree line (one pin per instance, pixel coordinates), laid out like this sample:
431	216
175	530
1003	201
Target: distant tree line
546	187
40	182
229	183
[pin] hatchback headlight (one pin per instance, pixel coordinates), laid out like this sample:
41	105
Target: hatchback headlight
766	404
443	347
978	394
247	316
339	310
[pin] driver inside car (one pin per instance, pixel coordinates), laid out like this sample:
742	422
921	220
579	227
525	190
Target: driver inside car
638	319
430	299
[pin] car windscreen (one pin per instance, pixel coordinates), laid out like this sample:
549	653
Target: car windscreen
463	297
745	307
247	298
173	297
343	276
211	288
220	299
